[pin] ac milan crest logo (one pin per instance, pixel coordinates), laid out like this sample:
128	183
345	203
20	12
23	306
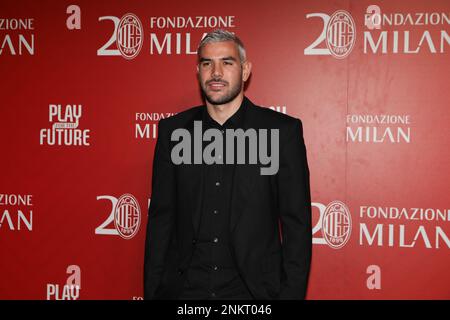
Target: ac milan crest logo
130	36
127	216
340	34
336	224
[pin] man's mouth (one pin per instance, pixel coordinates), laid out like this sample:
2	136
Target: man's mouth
216	85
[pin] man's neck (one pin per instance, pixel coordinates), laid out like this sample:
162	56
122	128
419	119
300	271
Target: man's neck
222	112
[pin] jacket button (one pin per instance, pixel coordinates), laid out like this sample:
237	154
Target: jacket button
180	272
194	241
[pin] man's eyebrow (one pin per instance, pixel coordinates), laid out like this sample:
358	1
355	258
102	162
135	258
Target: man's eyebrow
224	58
229	58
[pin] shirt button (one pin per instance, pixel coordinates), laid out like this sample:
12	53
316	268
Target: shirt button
217	183
216	240
216	211
215	268
213	294
223	131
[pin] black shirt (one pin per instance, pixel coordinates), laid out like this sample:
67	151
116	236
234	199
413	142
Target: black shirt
212	273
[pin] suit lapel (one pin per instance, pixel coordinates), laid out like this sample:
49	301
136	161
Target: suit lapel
242	179
198	184
197	178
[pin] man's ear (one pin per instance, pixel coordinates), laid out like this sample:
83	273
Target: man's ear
246	70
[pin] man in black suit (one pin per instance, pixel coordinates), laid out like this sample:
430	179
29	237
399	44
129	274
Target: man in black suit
225	230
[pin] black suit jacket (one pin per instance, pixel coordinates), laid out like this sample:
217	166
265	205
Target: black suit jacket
272	267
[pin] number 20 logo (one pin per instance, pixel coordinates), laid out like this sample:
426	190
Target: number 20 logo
338	32
128	35
335	222
126	215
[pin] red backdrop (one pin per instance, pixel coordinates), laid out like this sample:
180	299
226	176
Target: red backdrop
370	84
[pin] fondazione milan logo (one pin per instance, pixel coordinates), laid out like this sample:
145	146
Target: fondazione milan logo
340	34
336	224
130	36
127	216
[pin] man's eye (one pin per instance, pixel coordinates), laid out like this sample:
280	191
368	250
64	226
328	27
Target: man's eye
205	64
228	63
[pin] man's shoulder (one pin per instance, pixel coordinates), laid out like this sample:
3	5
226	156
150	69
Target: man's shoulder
272	118
181	119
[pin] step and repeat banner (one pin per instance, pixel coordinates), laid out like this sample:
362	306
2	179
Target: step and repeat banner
83	85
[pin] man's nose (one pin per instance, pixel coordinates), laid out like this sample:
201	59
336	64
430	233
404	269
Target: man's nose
217	70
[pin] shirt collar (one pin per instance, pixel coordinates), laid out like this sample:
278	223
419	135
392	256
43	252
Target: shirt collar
235	121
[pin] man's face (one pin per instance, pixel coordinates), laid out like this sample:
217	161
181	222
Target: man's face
221	73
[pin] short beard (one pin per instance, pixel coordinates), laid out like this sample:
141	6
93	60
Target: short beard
225	99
